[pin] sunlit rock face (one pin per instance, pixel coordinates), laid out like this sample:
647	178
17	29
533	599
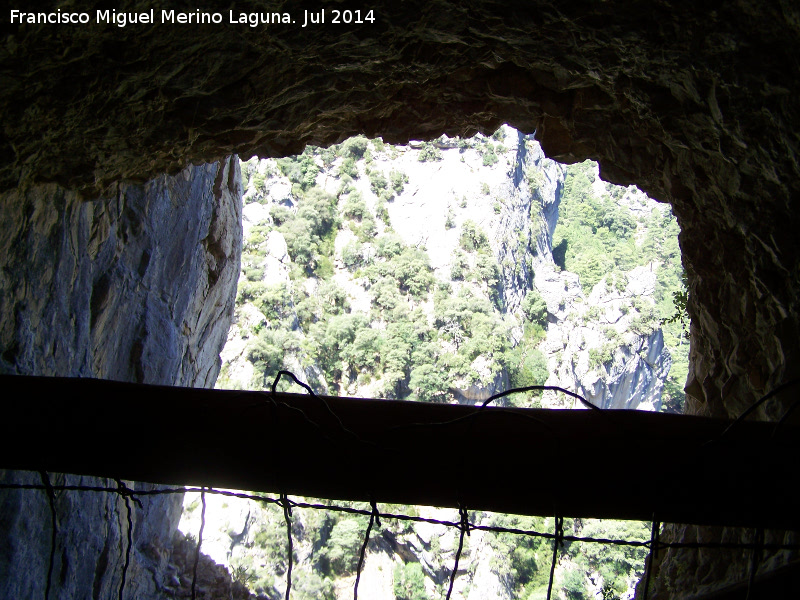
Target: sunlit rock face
695	106
133	287
138	287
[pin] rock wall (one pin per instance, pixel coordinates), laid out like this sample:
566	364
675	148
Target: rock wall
594	345
139	287
530	197
639	372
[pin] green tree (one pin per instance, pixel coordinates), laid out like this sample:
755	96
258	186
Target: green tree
301	170
473	238
319	208
489	156
275	302
412	270
450	219
377	182
487	269
535	308
266	352
311	586
527	366
522	562
367	229
344	545
616	564
459	267
399	179
574	585
310	233
429	152
403	334
353	254
409	582
330	340
301	242
354	207
348	168
473	325
280	214
328	156
389	245
355	147
429	383
385	294
364	354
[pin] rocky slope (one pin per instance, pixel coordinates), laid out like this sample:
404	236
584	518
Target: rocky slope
595	341
138	287
597	347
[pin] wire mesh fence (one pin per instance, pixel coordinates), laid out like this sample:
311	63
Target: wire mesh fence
376	517
132	495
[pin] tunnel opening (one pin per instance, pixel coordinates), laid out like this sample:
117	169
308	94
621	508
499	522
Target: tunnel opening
430	271
473	242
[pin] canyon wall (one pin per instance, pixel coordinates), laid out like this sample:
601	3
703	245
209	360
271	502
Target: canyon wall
138	286
481	212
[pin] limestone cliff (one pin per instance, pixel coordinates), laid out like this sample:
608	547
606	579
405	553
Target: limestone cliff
503	192
526	230
598	348
139	287
603	343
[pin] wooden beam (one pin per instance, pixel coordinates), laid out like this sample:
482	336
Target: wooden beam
580	463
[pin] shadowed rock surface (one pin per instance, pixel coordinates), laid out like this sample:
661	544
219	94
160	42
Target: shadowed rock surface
131	287
693	103
136	287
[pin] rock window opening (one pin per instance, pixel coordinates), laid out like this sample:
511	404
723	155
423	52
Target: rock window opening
446	271
450	270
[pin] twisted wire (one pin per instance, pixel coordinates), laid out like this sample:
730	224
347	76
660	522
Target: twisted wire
374	518
287	516
464	526
199	542
557	540
51	499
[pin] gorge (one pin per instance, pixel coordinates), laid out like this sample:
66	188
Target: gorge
346	247
477	218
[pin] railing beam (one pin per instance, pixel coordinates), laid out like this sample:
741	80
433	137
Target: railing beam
581	463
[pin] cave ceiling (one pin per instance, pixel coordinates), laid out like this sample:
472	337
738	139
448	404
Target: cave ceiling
694	102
